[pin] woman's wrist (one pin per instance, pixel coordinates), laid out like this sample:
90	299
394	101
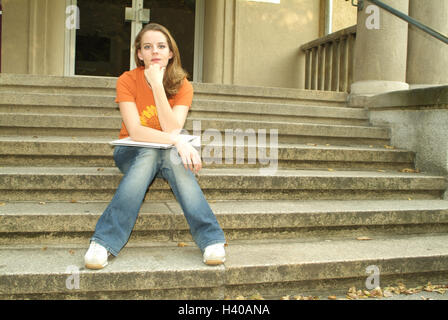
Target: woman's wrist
175	138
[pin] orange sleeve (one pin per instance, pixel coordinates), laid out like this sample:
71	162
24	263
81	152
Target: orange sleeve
184	96
126	89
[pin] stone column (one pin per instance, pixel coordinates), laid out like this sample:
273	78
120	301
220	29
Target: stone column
219	35
427	56
380	50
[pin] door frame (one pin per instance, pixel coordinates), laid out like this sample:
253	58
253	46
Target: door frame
70	42
1	14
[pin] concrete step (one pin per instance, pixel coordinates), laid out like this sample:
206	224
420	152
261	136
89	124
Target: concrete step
282	267
85	85
262	111
29	83
99	184
108	126
43	103
53	223
97	152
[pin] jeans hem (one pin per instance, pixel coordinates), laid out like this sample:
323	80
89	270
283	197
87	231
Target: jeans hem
105	245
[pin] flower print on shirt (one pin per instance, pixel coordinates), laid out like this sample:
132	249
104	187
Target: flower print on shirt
149	118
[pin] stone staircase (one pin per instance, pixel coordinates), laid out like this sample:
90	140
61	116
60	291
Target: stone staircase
292	230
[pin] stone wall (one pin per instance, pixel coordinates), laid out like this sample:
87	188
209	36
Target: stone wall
418	120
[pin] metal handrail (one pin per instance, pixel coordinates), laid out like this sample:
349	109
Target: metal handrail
404	17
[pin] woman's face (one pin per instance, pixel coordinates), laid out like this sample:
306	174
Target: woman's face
154	49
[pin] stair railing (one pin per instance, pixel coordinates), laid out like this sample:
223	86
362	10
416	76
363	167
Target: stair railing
404	17
329	61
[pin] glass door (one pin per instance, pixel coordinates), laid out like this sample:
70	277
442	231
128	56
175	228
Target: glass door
178	16
1	13
103	40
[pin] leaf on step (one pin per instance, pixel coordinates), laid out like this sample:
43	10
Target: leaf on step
409	170
441	291
332	298
377	292
182	244
73	201
35	137
366	293
100	169
329	169
2	203
72	252
240	298
370	146
387	294
44	248
286	298
381	171
311	144
429	287
42	202
363	238
256	296
352	290
393	290
389	147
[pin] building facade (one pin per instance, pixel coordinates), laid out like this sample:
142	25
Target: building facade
243	42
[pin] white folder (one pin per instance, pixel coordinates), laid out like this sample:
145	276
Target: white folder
195	141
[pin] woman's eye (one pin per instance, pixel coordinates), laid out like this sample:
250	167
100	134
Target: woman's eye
146	47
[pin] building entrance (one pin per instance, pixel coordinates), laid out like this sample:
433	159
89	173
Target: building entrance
107	29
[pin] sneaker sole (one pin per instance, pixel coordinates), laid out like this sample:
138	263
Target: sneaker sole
95	266
214	262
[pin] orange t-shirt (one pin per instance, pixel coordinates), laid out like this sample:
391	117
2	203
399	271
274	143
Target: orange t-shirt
132	87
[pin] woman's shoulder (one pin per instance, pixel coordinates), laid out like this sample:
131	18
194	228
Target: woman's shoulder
131	75
185	86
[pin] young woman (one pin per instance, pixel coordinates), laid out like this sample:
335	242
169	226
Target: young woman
154	100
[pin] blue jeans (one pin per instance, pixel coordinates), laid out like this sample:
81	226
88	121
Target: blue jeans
140	166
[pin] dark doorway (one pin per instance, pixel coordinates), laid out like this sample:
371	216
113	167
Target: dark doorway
102	42
104	38
1	13
178	16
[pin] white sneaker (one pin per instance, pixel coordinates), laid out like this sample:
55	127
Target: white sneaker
214	254
96	256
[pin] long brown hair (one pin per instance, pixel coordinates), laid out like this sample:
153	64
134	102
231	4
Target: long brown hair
174	73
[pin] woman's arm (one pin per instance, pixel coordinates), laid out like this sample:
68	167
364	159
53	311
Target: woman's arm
189	155
137	132
171	119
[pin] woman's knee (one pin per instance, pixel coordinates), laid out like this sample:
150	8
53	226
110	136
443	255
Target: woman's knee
137	159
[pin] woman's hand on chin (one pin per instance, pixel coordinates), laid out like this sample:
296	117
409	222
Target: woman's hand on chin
154	74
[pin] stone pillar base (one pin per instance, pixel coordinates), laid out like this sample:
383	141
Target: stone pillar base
373	87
